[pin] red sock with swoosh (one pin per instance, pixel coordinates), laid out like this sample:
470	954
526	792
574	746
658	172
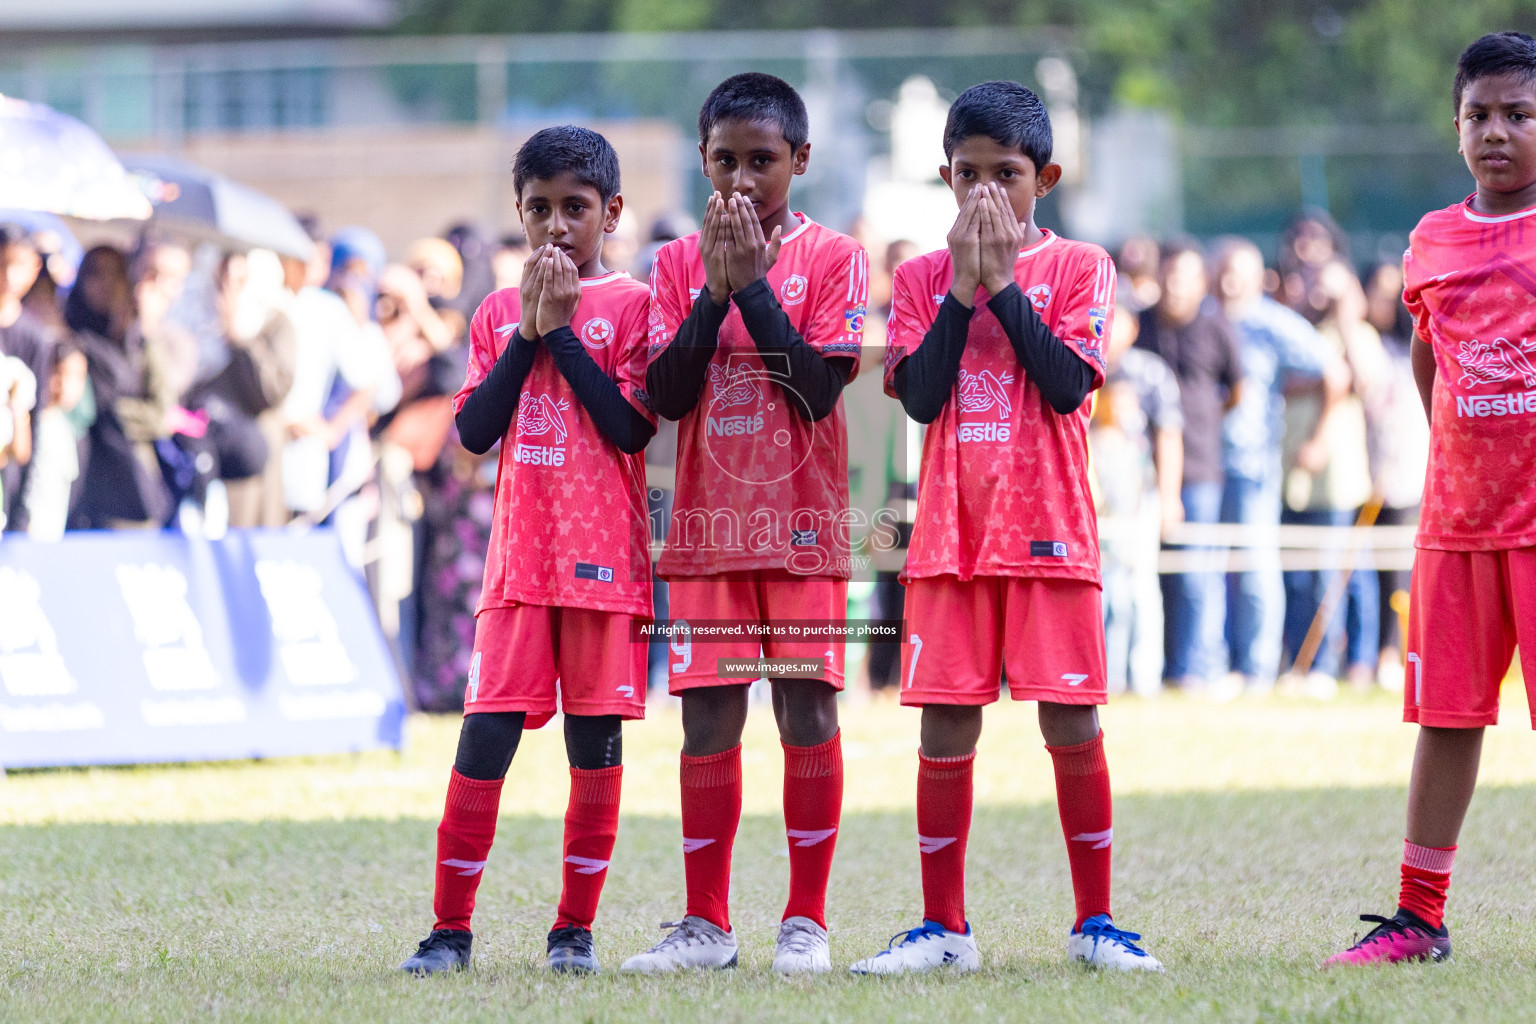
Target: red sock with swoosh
711	812
944	797
1426	879
1087	821
591	827
813	806
463	843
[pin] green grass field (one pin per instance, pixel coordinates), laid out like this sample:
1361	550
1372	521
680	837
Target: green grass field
1248	836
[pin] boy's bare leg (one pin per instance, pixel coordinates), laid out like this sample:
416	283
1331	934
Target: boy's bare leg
1440	789
806	711
950	730
713	718
1067	725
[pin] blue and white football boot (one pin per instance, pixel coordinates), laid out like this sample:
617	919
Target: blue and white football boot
1100	944
924	948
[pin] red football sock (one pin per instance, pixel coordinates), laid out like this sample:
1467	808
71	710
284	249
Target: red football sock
1087	821
944	796
1426	877
591	826
711	812
463	843
813	805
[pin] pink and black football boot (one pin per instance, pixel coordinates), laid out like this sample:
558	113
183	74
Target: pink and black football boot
1403	936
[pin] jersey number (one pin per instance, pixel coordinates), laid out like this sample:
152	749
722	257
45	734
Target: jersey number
917	650
682	646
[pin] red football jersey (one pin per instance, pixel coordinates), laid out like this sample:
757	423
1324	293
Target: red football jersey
1003	486
759	487
1470	283
570	525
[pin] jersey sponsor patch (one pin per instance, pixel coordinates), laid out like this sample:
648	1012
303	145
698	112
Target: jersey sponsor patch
1096	320
1047	549
590	571
803	538
853	319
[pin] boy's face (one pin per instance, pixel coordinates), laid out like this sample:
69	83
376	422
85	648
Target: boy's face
753	159
568	214
981	159
1496	126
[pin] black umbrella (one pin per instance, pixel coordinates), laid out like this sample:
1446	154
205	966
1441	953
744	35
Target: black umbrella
195	200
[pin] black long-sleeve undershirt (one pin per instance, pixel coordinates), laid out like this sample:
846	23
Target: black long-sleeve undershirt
815	381
676	377
611	412
487	412
926	378
1062	376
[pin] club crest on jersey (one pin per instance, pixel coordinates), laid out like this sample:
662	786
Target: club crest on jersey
792	291
854	319
736	388
540	417
597	333
1039	297
982	393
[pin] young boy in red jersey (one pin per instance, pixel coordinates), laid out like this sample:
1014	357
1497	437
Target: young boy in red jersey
555	374
996	343
756	324
1470	283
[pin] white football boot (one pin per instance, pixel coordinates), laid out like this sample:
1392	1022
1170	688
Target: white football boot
693	942
802	948
1100	944
923	949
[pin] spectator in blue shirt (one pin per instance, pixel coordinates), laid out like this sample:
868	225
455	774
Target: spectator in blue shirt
1281	353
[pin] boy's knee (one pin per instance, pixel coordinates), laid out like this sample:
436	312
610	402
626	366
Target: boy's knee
713	718
487	742
594	742
805	710
950	730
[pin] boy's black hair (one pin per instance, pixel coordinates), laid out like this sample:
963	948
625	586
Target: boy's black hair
1497	53
568	149
1005	112
755	97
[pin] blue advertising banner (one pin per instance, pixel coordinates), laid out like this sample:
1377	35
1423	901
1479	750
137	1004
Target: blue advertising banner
125	648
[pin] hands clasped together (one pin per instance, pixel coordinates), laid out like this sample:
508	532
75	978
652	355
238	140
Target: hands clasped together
549	292
984	244
733	248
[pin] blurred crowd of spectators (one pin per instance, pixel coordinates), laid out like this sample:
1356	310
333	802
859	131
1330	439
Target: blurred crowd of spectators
1259	396
181	387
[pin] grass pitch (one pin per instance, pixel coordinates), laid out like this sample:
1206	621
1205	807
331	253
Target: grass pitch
1248	837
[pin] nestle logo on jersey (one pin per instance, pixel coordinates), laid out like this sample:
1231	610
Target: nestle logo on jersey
1047	549
734	426
1517	404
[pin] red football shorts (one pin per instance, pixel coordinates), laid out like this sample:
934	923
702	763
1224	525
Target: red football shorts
1047	633
1467	610
754	597
528	653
